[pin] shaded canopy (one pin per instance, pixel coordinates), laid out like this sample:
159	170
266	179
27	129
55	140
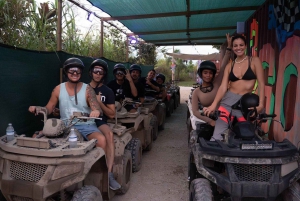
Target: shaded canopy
211	57
179	22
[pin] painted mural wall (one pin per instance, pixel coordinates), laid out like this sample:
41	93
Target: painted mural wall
274	36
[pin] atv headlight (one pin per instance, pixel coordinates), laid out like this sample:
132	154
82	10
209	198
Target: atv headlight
288	168
256	146
66	170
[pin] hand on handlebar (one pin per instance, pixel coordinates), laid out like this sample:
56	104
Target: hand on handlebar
209	110
95	113
32	109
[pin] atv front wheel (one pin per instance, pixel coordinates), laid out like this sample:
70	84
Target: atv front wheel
127	172
200	190
292	193
87	193
135	147
192	170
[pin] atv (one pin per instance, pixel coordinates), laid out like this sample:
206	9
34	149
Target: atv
45	168
157	107
175	90
142	123
244	165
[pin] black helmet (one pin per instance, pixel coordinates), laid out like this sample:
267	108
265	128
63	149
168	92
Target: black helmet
248	100
120	67
209	65
72	62
103	64
135	67
162	76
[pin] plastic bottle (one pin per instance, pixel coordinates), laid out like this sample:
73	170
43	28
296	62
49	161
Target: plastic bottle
10	132
72	139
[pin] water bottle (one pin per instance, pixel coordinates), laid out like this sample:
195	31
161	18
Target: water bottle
72	139
10	132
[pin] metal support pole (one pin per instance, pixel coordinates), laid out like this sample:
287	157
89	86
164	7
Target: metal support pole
59	26
101	45
127	49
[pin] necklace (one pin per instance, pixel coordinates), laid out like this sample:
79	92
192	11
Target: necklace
240	61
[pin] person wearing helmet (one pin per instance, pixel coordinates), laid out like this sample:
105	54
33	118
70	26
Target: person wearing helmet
76	96
242	74
105	96
135	73
122	85
207	91
150	84
160	79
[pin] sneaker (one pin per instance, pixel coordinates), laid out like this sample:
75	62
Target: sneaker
113	184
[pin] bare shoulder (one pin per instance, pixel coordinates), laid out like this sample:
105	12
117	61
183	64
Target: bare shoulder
256	59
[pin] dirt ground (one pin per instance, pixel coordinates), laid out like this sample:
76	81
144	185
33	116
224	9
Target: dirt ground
163	175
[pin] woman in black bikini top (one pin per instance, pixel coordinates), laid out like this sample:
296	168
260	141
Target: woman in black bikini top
249	74
242	81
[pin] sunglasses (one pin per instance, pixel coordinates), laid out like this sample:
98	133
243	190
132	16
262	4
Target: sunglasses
206	89
98	71
72	71
120	73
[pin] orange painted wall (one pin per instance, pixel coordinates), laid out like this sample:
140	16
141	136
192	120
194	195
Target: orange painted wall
278	46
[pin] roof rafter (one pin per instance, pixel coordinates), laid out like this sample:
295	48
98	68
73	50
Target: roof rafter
180	30
184	39
183	13
179	44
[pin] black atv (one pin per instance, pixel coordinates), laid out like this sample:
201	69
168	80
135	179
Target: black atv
244	165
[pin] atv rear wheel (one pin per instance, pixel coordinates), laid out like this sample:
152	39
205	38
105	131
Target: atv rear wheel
200	190
87	193
154	124
135	147
171	106
127	172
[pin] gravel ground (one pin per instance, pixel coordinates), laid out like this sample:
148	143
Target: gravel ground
163	176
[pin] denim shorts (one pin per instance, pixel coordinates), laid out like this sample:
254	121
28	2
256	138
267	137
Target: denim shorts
86	129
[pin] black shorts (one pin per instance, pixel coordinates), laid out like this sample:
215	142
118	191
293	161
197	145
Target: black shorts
100	122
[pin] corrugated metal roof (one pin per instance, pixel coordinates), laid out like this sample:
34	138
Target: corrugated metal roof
179	22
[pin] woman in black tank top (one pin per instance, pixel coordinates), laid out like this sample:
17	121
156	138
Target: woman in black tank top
239	78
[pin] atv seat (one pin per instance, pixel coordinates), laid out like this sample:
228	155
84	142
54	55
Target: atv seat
244	130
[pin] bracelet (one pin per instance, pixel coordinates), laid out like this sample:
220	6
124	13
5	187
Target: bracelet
227	48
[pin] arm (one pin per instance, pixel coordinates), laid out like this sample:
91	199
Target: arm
261	85
131	83
108	109
195	108
225	60
156	88
92	102
221	92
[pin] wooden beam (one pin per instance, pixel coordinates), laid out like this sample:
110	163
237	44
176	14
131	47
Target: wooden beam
180	30
183	13
185	39
179	44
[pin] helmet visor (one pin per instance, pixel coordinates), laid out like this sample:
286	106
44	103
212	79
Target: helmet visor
98	71
74	70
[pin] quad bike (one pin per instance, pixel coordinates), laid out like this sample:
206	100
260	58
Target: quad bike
158	108
175	89
169	101
45	168
189	111
243	165
143	125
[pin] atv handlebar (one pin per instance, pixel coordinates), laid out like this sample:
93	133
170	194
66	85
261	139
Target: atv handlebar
214	116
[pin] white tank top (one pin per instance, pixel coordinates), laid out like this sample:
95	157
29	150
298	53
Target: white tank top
67	104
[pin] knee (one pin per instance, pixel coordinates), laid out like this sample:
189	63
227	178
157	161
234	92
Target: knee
109	136
101	142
